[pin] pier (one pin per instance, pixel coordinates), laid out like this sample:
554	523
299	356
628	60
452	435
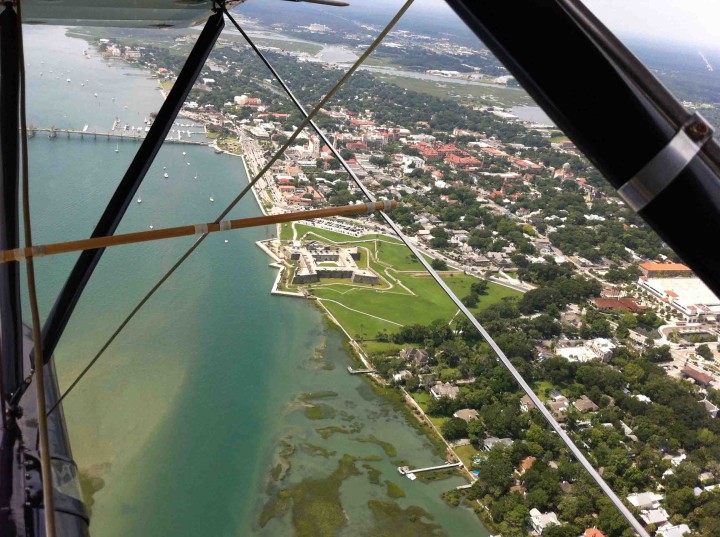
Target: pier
120	136
405	470
360	371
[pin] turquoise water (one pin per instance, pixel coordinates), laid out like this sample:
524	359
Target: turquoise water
184	415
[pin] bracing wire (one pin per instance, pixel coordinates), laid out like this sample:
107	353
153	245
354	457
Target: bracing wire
258	176
45	468
496	349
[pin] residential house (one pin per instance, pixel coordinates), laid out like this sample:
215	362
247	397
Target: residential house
558	406
467	414
710	407
493	441
584	405
668	530
655	516
526	403
402	375
525	465
593	532
645	500
541	521
444	390
418	357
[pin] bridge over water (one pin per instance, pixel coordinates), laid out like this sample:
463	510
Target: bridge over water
121	136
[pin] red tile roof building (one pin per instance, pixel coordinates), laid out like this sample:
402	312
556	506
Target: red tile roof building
463	163
700	378
651	269
625	304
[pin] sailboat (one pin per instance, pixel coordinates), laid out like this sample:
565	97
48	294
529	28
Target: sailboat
139	200
117	148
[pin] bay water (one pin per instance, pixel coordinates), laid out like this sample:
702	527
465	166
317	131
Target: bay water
180	425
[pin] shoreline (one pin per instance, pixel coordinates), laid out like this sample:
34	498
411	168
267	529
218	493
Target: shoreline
355	347
277	264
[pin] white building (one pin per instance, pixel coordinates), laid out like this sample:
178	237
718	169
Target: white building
541	521
690	297
668	530
645	500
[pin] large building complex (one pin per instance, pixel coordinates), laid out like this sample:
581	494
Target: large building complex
316	261
652	269
690	297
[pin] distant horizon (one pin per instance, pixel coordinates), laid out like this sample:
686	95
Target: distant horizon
688	22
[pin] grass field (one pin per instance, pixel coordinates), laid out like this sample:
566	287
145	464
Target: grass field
406	294
505	96
422	399
294	46
541	388
466	453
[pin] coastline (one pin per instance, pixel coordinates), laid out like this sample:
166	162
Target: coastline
412	406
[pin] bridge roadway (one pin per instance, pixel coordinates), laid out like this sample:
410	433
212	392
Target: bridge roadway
122	136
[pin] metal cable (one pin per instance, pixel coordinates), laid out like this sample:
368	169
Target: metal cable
45	463
498	352
242	194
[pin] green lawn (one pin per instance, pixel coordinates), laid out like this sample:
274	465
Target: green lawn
541	387
399	256
381	347
438	422
466	453
366	310
422	399
286	233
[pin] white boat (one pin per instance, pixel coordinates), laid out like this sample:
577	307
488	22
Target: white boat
117	148
164	167
226	241
96	95
188	164
212	200
195	176
150	227
139	200
184	153
165	175
68	80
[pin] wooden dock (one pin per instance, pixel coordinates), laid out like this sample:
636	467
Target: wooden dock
405	470
360	371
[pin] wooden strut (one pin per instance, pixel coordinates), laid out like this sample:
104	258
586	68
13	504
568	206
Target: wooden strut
20	254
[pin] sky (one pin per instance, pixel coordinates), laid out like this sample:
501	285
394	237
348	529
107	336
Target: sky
690	21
